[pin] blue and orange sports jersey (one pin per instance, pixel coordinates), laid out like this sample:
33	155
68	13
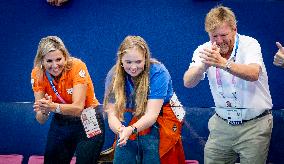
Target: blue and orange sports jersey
160	86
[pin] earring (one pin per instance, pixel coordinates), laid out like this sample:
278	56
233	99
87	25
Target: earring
41	66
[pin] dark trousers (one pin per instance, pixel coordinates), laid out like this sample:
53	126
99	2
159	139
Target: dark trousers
67	135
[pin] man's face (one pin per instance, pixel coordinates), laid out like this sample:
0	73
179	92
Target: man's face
224	36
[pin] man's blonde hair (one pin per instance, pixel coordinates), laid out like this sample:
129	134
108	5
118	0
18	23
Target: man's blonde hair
219	15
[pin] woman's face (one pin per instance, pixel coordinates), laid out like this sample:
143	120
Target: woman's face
133	61
54	62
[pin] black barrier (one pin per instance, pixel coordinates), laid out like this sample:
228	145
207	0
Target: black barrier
21	134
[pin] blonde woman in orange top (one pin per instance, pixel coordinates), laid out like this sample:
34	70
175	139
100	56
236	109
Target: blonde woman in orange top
62	86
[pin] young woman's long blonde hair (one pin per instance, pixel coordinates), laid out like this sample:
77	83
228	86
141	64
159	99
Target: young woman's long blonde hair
49	44
141	82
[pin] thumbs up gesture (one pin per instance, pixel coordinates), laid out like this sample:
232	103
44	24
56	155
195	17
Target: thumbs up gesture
279	56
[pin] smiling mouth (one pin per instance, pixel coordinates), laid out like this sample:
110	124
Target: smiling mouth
55	71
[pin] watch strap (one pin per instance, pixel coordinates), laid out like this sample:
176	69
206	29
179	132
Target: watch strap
134	129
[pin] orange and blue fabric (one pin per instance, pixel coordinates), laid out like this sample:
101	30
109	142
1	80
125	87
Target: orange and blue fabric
160	87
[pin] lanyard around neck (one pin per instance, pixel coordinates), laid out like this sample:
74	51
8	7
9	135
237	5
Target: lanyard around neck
218	75
50	79
129	85
128	114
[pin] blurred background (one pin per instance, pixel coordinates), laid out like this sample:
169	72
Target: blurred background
93	29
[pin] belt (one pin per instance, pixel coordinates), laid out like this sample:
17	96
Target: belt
66	120
266	112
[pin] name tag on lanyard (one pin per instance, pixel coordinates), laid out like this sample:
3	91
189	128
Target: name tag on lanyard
234	116
233	82
90	122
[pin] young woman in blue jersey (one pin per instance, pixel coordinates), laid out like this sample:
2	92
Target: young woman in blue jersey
137	95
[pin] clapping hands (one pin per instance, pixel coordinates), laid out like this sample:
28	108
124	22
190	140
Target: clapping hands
124	133
43	105
212	57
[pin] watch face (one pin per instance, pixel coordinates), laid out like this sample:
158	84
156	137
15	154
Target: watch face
58	110
135	131
228	65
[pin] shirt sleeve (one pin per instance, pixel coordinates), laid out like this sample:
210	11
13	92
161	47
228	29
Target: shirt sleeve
252	51
107	85
159	83
196	60
80	74
37	80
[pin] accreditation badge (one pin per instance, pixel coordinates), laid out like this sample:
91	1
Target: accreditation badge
90	122
177	107
234	116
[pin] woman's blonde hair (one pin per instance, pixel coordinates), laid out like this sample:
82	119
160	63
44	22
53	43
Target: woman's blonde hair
219	15
141	82
49	44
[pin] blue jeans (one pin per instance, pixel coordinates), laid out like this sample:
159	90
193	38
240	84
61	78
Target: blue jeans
67	135
144	149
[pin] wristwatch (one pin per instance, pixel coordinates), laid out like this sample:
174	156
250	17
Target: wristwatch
134	130
58	109
228	65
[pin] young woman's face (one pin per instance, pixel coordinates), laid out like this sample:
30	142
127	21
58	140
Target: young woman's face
133	61
54	62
